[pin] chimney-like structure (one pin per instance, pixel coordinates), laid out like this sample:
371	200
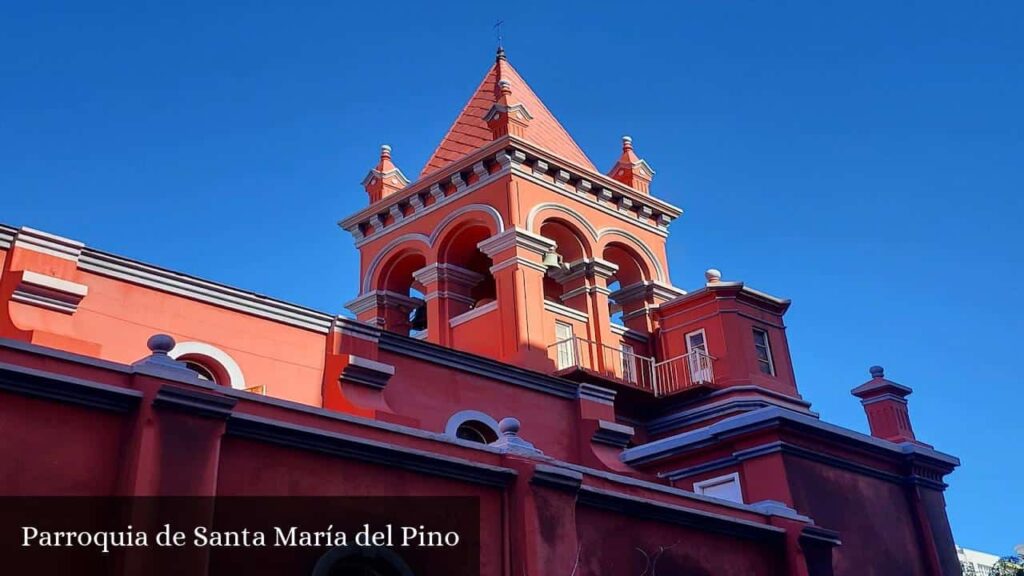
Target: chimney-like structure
885	403
631	170
385	179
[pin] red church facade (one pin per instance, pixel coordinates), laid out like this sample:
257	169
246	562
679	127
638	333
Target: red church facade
516	338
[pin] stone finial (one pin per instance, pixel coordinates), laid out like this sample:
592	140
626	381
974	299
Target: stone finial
505	87
160	344
713	275
509	441
877	372
509	426
160	364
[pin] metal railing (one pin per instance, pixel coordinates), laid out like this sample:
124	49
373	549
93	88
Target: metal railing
659	378
683	371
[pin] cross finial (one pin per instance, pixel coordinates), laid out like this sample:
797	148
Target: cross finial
501	47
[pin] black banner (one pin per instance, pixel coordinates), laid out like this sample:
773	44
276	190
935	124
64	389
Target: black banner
319	536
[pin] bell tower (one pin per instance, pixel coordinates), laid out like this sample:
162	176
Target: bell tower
512	244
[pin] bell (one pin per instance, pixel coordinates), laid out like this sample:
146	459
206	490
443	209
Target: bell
552	259
419	318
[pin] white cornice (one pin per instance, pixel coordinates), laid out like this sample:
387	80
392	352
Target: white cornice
7	235
46	243
518	237
204	291
49	292
474	313
563	310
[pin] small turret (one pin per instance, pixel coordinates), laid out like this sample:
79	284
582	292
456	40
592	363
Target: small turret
631	170
385	179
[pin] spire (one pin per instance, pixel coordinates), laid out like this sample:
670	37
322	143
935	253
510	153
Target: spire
471	131
385	179
631	170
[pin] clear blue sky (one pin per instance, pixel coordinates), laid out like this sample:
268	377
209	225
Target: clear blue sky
865	160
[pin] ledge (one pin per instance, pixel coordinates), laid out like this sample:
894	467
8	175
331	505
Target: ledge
648	509
354	447
52	386
479	365
776	416
204	291
49	292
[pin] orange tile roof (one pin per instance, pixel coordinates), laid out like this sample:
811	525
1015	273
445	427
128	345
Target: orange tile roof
469	131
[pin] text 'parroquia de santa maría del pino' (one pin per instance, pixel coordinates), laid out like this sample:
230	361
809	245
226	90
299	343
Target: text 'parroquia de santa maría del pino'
517	339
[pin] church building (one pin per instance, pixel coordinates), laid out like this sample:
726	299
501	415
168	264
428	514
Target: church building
515	337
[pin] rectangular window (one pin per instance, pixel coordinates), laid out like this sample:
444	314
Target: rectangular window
725	487
628	363
764	352
697	357
565	346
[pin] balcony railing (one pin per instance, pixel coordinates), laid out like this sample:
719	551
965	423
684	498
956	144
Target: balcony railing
659	378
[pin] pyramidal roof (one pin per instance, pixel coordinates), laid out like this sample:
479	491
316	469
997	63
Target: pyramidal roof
469	131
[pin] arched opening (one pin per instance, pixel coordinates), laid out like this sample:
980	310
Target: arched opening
569	245
476	431
631	271
406	312
460	250
210	363
201	370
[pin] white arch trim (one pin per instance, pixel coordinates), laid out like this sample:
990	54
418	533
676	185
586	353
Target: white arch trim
531	219
212	354
532	216
460	418
429	241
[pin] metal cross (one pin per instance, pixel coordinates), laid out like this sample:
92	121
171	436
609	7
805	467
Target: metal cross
497	26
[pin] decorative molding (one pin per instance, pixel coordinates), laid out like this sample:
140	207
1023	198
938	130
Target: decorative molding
518	261
596	235
613	434
428	241
367	372
479	365
556	477
354	223
62	388
372	451
356	329
563	310
49	292
516	237
474	313
192	401
595	393
449	273
775	416
620	330
658	511
46	243
7	235
378	298
203	291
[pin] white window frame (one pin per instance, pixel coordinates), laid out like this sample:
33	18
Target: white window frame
700	487
565	347
768	349
700	368
629	372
